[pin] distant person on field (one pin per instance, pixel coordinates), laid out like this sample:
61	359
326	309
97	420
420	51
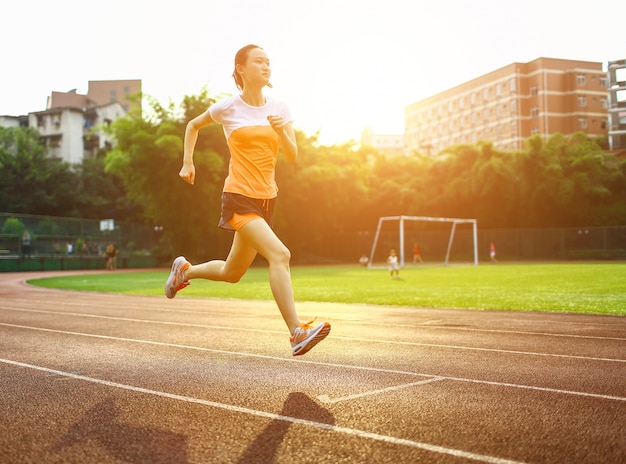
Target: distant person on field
394	268
417	256
111	257
363	260
26	240
492	253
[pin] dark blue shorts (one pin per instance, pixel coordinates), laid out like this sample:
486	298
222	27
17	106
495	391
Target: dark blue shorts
235	203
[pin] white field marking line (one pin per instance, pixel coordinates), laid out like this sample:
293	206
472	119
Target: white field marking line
318	363
273	416
408	326
337	337
328	400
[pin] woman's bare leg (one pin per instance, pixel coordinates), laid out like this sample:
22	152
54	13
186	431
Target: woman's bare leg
263	239
230	270
255	236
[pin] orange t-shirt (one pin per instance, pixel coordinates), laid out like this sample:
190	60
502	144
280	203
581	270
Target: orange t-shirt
253	145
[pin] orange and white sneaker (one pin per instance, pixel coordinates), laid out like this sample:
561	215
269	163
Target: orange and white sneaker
176	281
306	337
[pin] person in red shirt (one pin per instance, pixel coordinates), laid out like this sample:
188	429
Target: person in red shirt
255	126
417	255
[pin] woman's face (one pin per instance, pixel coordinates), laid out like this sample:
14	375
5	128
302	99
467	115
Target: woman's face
257	68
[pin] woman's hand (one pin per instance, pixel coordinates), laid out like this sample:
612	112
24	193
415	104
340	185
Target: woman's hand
287	137
277	123
188	173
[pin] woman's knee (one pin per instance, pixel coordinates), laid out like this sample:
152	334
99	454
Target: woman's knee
281	255
232	276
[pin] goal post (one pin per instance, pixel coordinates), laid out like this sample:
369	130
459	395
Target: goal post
401	235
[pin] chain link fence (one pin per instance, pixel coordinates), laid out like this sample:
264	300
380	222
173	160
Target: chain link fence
558	244
69	243
32	242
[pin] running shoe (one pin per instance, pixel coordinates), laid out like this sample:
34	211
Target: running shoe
176	281
306	337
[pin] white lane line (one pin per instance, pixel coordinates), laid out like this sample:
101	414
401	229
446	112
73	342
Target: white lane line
328	400
478	348
336	337
424	325
268	415
146	321
503	331
316	363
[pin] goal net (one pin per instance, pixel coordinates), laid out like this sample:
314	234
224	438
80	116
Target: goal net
440	240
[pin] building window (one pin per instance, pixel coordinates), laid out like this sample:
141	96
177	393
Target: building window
512	84
473	98
604	82
582	101
534	90
534	112
582	123
605	103
581	79
485	94
603	124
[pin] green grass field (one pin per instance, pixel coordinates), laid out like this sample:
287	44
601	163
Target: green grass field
594	288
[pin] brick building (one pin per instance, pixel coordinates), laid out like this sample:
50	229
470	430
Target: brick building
506	106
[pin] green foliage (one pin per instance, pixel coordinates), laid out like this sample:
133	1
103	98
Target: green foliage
147	159
13	227
102	194
47	227
331	191
33	182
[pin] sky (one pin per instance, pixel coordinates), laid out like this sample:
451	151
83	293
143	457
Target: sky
340	65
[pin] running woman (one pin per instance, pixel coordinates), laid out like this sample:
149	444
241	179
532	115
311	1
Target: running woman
255	126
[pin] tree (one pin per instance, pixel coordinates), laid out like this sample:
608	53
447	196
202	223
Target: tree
102	194
147	158
33	182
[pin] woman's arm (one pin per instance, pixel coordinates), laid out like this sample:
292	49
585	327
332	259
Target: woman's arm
287	137
188	171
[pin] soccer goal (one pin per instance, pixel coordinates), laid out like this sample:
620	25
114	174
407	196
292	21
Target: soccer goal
379	253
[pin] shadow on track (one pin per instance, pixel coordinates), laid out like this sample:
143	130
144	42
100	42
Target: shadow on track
124	442
298	405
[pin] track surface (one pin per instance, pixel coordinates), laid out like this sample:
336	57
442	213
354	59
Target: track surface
98	378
